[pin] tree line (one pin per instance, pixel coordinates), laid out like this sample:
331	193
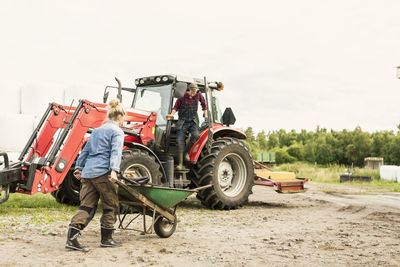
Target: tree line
326	147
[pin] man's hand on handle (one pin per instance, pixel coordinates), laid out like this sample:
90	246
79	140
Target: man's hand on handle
171	116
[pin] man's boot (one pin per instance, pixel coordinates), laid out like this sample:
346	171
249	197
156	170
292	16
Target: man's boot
106	238
187	149
72	240
180	166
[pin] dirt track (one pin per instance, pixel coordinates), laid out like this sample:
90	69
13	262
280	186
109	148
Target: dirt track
334	227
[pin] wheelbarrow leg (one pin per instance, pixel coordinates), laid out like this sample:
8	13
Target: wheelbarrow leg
150	230
144	220
121	220
154	218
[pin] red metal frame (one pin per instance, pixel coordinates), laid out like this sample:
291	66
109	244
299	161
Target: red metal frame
91	115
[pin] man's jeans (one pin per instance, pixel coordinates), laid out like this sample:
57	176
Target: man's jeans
188	126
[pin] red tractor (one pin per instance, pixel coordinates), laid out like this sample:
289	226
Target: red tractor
219	157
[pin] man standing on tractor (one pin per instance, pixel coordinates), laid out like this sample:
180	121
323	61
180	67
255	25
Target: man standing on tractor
188	121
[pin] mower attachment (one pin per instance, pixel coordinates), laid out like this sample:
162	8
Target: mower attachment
285	186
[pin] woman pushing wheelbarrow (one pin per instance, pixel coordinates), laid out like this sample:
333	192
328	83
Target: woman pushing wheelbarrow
97	167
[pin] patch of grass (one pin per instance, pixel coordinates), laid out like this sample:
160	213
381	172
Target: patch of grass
45	201
331	174
40	208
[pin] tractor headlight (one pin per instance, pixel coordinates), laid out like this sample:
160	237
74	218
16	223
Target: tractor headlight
158	79
141	81
137	82
165	78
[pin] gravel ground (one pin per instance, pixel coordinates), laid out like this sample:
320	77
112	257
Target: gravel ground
328	225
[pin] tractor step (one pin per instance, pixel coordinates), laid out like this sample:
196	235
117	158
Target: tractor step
181	180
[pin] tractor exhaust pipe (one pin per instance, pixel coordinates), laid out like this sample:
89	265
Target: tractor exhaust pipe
119	95
210	117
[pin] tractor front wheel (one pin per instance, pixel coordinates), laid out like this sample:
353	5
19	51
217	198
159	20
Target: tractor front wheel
68	192
228	166
139	163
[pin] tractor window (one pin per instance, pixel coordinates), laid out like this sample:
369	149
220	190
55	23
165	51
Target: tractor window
213	106
155	99
200	112
217	110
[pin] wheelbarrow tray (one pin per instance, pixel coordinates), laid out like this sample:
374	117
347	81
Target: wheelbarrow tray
163	197
156	201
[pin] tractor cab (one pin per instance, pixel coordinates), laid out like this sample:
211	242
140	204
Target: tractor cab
166	89
159	93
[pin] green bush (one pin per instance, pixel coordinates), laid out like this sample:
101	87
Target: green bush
282	156
326	147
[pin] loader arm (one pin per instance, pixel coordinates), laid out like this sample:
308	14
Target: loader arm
45	174
53	119
57	140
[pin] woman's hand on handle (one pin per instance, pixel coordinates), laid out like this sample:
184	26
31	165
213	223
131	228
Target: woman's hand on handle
113	177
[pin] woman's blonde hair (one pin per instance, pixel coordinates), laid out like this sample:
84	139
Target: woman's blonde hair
115	110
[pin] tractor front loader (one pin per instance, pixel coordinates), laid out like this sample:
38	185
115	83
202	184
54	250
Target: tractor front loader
45	163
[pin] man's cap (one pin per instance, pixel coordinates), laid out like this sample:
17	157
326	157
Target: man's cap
193	86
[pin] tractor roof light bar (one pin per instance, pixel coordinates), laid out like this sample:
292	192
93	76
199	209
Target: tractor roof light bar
169	78
153	80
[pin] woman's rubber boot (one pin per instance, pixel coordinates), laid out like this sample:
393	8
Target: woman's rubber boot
180	166
72	240
106	238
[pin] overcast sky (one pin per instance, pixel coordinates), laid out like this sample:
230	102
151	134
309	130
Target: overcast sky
285	64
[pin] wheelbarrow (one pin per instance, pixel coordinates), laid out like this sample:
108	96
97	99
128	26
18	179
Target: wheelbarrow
158	202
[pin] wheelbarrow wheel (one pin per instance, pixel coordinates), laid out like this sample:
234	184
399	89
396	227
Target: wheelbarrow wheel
164	228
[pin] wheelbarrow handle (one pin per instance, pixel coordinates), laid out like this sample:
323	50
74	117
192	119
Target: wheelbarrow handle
136	181
202	187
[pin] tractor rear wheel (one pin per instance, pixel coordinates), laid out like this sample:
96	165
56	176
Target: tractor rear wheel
229	168
139	163
68	191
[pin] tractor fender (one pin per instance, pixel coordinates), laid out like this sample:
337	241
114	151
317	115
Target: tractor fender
151	152
218	131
